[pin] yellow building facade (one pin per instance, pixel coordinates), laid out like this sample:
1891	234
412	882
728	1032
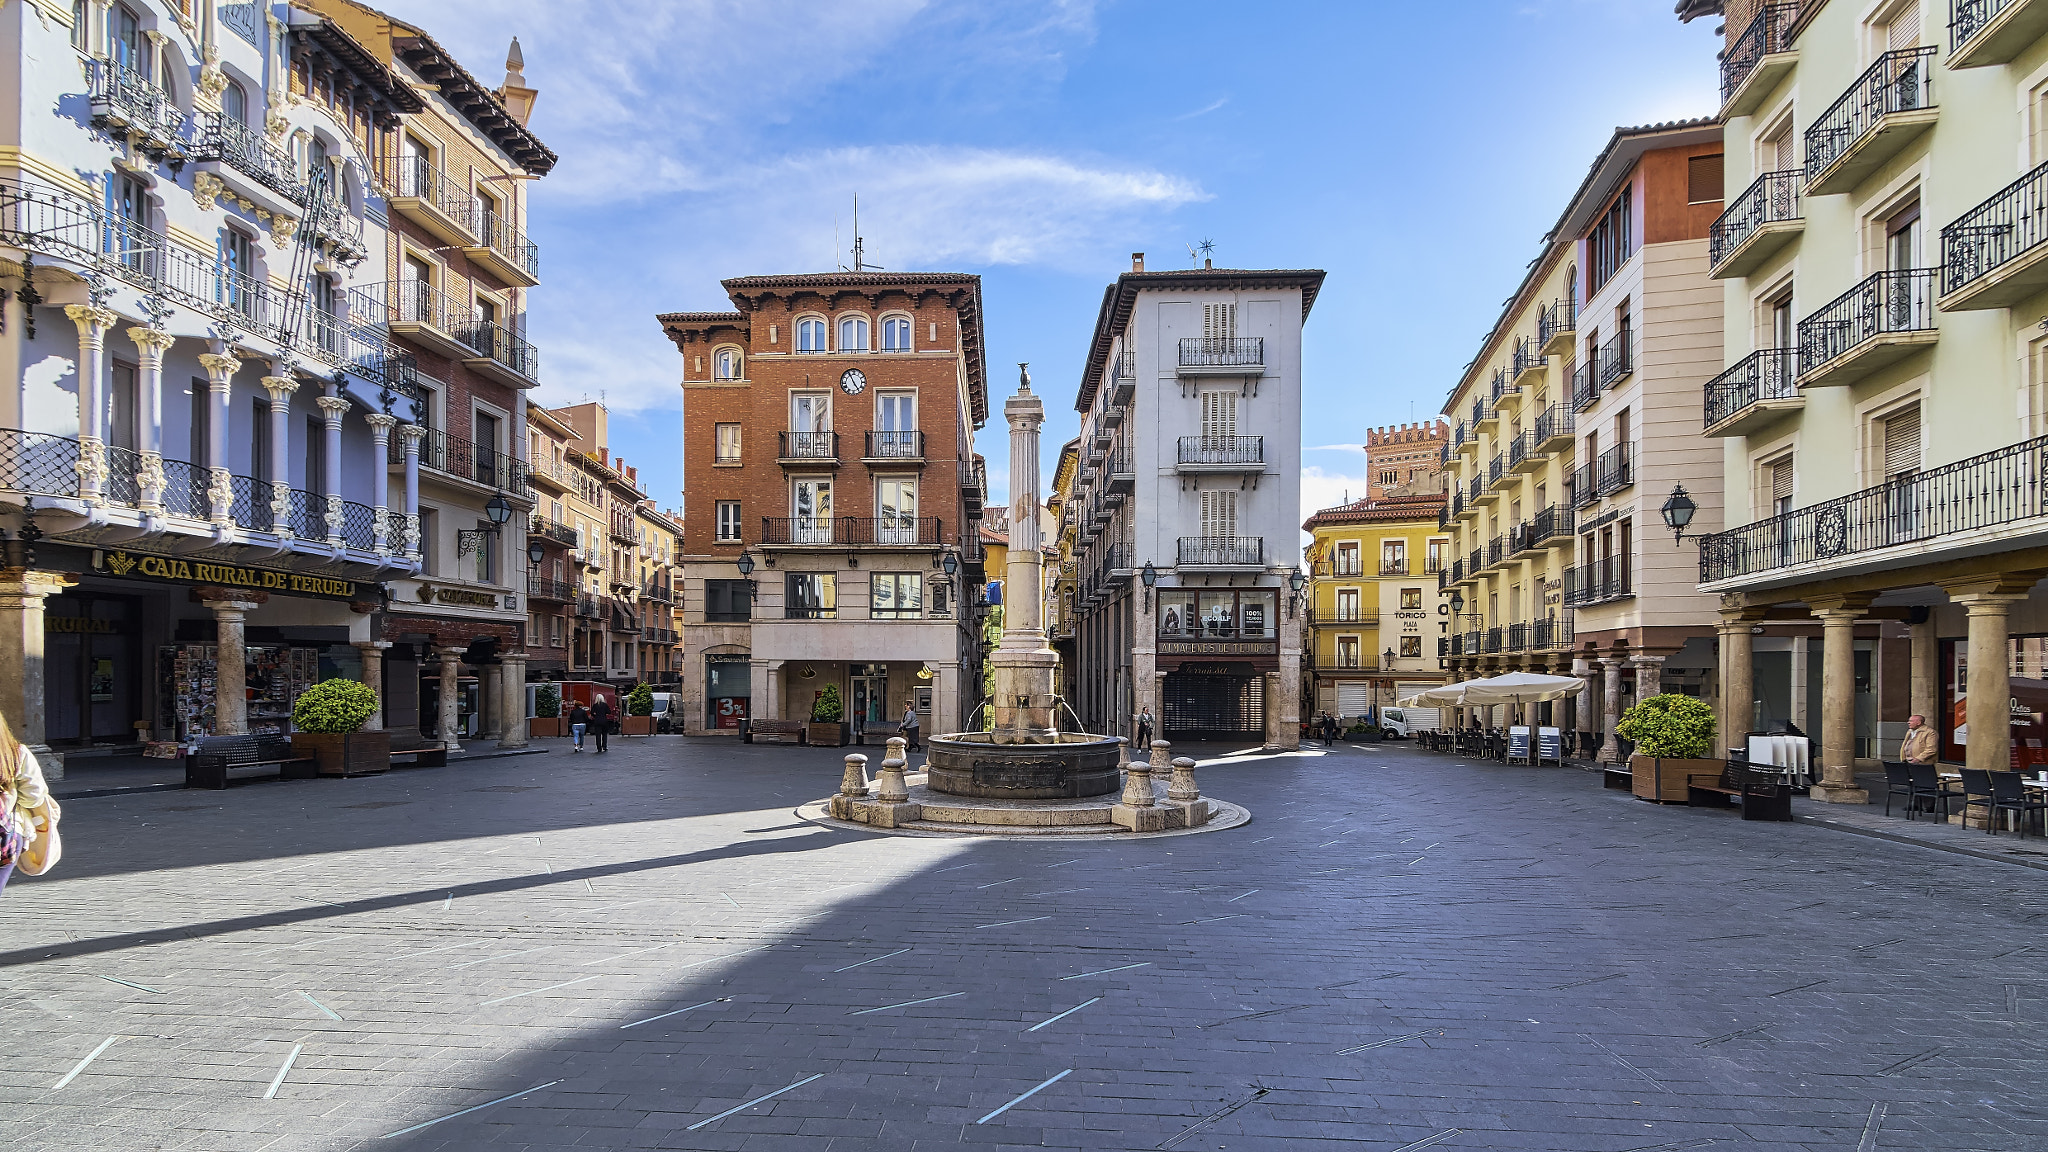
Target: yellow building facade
1376	618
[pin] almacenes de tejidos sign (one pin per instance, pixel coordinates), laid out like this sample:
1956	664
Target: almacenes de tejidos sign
143	566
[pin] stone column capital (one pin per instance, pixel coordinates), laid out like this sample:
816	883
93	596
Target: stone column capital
334	406
150	343
370	645
280	387
382	423
1646	661
411	434
2005	589
93	320
219	365
1852	605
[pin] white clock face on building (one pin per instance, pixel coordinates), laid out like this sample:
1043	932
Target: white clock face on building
854	382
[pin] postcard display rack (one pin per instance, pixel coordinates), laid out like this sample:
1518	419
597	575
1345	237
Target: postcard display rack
275	675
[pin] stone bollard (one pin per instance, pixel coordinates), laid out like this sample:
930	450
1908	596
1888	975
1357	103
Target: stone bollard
1182	786
1137	778
1162	756
854	785
889	786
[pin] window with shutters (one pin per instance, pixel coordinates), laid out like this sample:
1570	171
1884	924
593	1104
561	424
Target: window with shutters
1703	179
1902	30
1347	559
1219	420
1778	474
1219	514
1347	651
1219	321
1347	604
1901	439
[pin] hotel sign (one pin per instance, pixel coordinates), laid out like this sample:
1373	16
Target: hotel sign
198	573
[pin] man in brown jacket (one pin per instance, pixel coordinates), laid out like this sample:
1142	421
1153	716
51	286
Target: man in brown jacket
1920	746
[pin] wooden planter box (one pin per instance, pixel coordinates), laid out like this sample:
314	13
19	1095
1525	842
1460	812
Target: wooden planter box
548	726
636	726
1664	780
830	734
345	753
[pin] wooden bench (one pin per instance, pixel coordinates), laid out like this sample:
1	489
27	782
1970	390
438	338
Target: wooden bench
425	752
777	731
1762	795
215	758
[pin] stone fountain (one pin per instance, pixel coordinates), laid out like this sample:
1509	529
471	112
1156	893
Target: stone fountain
1025	775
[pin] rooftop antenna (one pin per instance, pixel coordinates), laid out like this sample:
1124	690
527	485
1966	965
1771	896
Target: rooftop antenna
860	263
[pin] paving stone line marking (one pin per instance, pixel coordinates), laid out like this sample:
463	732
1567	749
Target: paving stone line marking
751	1103
1727	1036
131	984
1059	892
1911	1062
1594	980
898	952
1235	899
1007	923
432	951
531	991
1426	1141
1107	971
331	1013
1212	1117
996	883
271	1093
1026	1096
489	959
1063	1015
1389	1040
1672	1147
677	1012
735	903
1871	1127
467	1111
1256	1015
905	1004
80	1066
1800	988
1619	1059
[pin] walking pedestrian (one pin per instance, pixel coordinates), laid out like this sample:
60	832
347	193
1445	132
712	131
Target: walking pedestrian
1329	730
1144	748
579	723
28	814
601	721
910	725
1920	745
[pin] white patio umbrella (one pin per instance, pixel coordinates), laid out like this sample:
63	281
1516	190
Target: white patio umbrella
1441	696
1517	688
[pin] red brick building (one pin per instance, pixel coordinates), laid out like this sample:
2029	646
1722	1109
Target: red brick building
828	439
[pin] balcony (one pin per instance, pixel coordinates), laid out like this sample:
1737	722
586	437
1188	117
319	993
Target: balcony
1615	469
1501	387
505	251
1887	108
1553	525
845	531
1222	356
1396	566
1555	427
1457	574
1476	490
1113	416
1495	641
1464	437
1518	637
1976	501
657	635
659	591
124	99
1221	454
1880	321
1757	224
1123	378
1525	454
495	351
1247	553
1489	486
807	449
1761	387
1585	387
1994	255
416	310
1484	412
1758	59
1529	361
225	141
425	195
899	448
1983	32
1585	491
454	456
1557	326
1496	550
547	529
543	588
1550	635
1475	562
1597	583
974	488
1617	360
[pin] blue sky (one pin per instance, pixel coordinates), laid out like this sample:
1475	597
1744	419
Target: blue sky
1418	153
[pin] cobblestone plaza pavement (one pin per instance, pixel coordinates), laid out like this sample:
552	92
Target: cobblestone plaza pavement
647	950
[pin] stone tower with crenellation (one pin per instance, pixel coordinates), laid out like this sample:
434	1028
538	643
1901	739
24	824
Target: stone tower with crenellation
1405	459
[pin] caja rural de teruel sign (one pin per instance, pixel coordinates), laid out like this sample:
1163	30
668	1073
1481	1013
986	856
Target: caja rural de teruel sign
201	573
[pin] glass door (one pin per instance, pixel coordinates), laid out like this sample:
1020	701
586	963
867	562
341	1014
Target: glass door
812	504
896	508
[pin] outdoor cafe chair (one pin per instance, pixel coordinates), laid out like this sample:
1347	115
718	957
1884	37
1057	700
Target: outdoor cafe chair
2009	794
1898	781
1977	791
1927	786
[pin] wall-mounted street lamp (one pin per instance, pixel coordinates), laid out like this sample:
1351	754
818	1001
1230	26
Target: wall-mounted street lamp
1678	512
470	540
746	566
1150	576
1295	580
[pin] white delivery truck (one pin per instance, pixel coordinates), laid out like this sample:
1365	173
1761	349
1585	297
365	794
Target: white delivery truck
1403	723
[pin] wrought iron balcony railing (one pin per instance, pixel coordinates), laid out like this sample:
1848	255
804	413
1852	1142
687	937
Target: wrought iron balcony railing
1966	18
895	445
844	530
1766	374
1501	385
1585	492
1528	355
1769	33
659	591
1397	566
1496	550
546	588
1556	318
548	529
1998	489
1887	302
1615	470
247	150
1496	468
807	445
498	234
1771	198
121	97
1223	352
1598	582
1585	388
1617	359
1554	422
2013	222
415	177
1551	633
1222	551
1222	449
458	457
1900	81
499	343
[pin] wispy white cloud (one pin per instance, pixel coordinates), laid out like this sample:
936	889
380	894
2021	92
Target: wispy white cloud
1359	448
1204	110
1321	488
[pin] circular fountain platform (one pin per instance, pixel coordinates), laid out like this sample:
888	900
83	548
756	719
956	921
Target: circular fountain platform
1003	766
930	813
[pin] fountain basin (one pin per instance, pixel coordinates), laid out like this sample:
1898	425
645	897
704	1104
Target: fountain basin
1011	766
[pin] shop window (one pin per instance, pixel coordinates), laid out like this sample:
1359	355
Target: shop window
810	596
1217	614
728	601
896	596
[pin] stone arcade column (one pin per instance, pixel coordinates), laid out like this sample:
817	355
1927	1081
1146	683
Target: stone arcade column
512	706
1024	664
1649	676
410	434
281	387
150	346
1738	680
373	677
381	425
451	689
1925	695
22	595
332	409
93	322
1989	686
1838	616
1610	711
490	696
220	375
230	609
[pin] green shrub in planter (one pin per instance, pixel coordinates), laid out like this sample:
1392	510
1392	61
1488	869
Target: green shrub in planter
334	706
1670	727
640	701
828	709
547	702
